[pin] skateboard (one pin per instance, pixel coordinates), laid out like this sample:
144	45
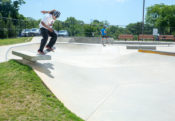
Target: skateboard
47	50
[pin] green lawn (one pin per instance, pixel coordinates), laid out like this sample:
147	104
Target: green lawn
15	40
24	97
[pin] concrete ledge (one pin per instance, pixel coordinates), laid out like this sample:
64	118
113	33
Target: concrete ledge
157	52
27	55
142	47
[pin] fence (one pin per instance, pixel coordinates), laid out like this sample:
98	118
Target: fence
13	28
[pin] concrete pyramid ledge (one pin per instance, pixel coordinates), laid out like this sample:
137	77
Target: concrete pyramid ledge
31	56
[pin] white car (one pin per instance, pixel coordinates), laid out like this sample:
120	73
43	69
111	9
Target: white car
26	33
35	32
63	33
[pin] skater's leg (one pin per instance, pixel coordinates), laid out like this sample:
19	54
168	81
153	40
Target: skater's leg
44	33
106	40
53	39
102	40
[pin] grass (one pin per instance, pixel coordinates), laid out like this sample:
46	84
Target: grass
14	40
23	96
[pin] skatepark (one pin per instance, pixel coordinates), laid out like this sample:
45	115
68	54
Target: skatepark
110	83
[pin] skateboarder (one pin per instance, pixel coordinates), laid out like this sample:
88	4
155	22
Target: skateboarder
46	30
104	35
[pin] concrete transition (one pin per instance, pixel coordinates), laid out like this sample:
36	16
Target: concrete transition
109	83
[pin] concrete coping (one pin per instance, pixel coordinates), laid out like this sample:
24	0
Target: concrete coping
31	56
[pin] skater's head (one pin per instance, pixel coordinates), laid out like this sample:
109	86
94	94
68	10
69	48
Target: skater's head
104	26
55	14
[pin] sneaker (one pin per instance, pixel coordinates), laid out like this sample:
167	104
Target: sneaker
41	52
49	48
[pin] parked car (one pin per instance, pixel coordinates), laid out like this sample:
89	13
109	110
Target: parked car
26	33
30	32
63	33
35	32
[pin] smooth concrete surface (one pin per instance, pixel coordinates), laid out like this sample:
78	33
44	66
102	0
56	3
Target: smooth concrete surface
110	83
166	48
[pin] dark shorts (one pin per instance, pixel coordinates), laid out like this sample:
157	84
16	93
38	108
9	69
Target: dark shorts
104	36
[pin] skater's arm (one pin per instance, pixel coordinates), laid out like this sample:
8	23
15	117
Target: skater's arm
48	11
50	29
105	32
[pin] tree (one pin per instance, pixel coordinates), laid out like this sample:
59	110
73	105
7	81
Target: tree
11	28
89	30
115	31
8	7
97	26
31	23
162	16
73	26
58	25
3	31
136	28
9	10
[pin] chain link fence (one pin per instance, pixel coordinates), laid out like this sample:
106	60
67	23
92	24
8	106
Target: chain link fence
21	28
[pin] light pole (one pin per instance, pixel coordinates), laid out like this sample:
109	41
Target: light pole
143	17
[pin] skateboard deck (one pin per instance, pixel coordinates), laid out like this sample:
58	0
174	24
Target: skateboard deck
47	50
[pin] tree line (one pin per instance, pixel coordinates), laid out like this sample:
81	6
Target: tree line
158	16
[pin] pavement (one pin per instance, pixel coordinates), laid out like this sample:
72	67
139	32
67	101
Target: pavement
108	83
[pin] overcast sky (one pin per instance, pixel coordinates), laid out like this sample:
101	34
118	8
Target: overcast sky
116	12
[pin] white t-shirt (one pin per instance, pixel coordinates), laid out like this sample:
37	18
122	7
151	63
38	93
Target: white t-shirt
48	20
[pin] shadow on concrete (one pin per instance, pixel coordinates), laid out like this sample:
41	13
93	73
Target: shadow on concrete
40	67
44	68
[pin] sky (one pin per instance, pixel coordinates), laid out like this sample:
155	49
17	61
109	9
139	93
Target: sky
116	12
